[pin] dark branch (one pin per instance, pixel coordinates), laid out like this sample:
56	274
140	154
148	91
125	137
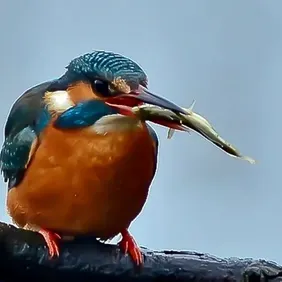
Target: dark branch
23	256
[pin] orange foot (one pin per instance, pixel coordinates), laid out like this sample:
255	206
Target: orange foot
51	240
128	245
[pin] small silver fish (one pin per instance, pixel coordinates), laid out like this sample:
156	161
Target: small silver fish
189	111
189	121
160	115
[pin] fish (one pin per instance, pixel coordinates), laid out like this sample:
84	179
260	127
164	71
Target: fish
159	115
191	121
189	111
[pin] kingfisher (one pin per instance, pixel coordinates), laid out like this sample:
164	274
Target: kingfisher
76	160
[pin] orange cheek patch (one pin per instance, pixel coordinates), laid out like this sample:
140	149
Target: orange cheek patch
82	91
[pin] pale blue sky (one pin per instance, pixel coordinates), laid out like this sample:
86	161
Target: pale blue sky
227	56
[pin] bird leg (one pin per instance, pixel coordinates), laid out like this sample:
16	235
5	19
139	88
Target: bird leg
129	245
51	240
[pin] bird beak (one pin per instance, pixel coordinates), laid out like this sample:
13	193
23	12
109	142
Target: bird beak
124	102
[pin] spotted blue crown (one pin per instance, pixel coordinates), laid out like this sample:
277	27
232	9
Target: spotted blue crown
108	66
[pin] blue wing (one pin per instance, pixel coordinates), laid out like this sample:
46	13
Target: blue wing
25	121
15	155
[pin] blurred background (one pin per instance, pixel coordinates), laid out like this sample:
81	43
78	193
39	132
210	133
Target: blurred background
227	56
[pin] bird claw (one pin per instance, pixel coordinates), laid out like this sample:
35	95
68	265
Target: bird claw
129	245
51	240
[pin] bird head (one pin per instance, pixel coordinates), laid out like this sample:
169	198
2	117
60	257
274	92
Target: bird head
114	80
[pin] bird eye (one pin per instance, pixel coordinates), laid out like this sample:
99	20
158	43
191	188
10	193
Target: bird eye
102	88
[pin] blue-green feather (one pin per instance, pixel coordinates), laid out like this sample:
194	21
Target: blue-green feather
107	66
27	118
83	114
15	153
26	109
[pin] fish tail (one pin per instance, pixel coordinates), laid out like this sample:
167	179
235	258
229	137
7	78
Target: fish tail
249	159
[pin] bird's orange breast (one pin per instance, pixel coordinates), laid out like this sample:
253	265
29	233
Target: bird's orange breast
79	182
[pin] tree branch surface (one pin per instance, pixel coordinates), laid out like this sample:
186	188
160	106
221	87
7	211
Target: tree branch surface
24	256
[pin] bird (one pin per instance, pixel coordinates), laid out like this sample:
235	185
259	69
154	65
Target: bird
75	159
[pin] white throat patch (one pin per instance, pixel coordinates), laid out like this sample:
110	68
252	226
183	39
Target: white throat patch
58	101
115	123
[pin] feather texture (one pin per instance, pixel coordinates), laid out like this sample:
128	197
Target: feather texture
108	66
83	114
27	118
